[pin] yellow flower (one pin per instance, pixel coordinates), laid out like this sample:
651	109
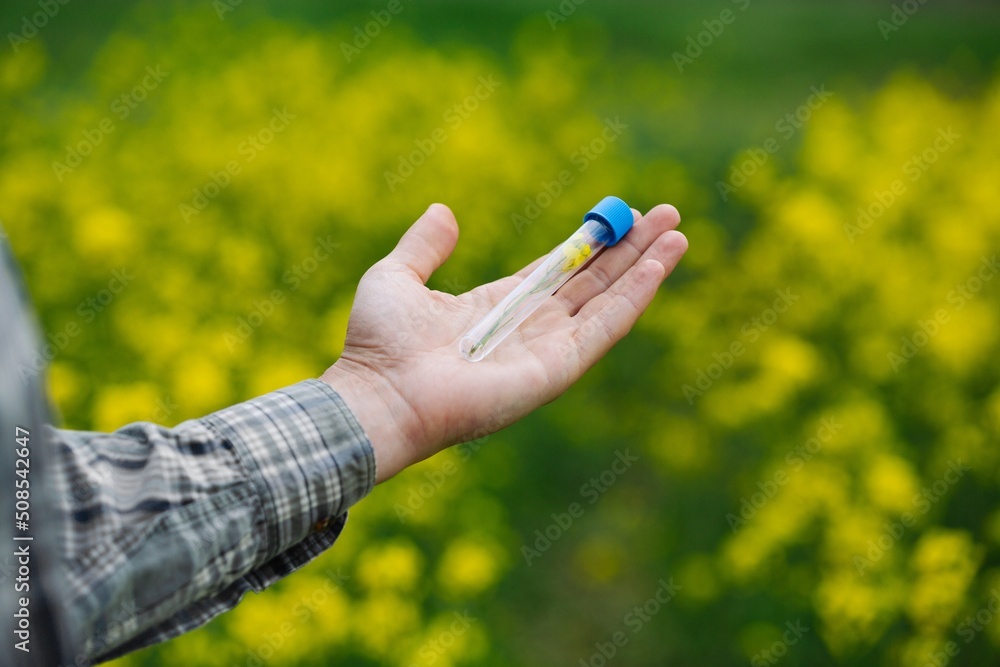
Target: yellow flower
575	255
468	567
396	564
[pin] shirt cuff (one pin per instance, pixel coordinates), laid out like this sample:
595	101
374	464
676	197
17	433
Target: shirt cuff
309	461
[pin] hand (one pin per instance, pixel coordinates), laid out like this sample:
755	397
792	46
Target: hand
401	372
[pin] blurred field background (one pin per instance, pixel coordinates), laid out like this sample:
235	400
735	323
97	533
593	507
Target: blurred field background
819	484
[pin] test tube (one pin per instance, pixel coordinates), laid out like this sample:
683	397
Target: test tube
604	225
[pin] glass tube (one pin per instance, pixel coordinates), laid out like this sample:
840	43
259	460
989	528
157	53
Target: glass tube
561	265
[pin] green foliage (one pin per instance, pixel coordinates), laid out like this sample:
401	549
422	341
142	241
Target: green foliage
764	373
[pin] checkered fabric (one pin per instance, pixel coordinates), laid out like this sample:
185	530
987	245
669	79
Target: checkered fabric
158	530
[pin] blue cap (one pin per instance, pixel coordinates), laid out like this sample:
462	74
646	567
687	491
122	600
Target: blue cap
615	215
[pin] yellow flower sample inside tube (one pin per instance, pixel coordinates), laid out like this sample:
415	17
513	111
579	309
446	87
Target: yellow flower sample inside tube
604	225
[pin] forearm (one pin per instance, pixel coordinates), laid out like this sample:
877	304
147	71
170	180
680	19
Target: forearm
167	528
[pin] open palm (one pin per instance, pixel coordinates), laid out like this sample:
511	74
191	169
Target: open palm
401	371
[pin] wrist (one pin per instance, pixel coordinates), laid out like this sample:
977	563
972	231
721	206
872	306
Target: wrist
382	413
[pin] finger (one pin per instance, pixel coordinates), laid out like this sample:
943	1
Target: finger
427	243
524	272
605	319
614	262
498	289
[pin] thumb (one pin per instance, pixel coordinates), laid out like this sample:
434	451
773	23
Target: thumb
428	242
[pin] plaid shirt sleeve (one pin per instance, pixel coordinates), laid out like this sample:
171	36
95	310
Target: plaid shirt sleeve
167	528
